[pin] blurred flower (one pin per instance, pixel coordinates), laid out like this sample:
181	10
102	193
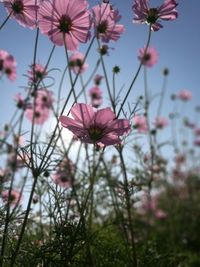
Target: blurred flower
96	96
160	214
184	95
37	73
160	122
13	199
105	20
140	123
97	79
188	123
76	62
99	126
197	142
64	175
180	159
20	101
44	98
152	16
7	65
24	11
65	21
39	113
150	58
197	131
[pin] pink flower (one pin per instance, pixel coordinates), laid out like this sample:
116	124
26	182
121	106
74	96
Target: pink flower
140	123
197	132
184	95
24	11
197	142
44	98
37	70
64	175
97	79
105	20
96	96
76	62
13	199
160	214
160	123
20	101
151	16
149	58
40	114
7	65
65	20
95	127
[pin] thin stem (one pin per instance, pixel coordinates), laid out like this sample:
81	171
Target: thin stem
136	75
128	206
9	15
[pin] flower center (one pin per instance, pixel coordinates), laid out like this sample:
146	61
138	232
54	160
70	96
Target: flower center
18	6
102	27
1	64
37	114
152	15
8	71
94	95
65	24
95	133
146	57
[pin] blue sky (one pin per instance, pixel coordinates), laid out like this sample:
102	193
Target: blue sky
177	44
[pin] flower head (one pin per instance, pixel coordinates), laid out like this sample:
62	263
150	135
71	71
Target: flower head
76	62
64	175
65	21
95	127
140	123
37	73
24	11
160	122
7	65
39	113
149	58
105	20
44	98
184	95
12	199
152	16
96	96
97	79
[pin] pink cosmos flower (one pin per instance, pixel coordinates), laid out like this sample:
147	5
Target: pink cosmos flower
65	20
64	175
140	123
184	95
37	72
160	214
24	11
197	132
95	127
20	101
150	58
145	14
105	20
76	62
13	199
96	96
160	122
40	114
197	142
7	65
44	98
97	79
